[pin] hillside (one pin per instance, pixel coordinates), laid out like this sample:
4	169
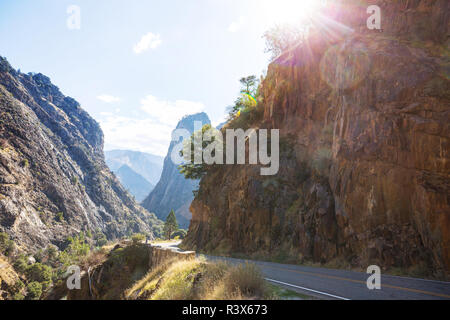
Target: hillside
173	191
131	271
364	170
54	182
8	279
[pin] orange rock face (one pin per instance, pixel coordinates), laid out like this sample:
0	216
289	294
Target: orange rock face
365	174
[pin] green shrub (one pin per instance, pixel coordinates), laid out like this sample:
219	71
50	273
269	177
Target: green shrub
46	285
247	118
100	238
60	217
180	234
137	238
34	290
17	287
52	253
75	251
39	255
102	242
7	246
74	180
24	163
132	226
21	264
39	272
18	296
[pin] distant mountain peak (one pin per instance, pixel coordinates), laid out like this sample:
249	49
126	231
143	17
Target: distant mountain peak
173	191
187	122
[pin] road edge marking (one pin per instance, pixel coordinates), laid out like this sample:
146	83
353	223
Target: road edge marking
383	285
307	289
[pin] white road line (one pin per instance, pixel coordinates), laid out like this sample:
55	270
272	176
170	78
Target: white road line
311	290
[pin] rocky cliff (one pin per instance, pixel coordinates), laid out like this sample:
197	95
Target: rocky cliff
173	191
54	182
365	175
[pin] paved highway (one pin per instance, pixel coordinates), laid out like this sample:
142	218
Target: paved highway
347	285
342	284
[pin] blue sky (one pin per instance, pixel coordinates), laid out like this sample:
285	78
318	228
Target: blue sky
195	53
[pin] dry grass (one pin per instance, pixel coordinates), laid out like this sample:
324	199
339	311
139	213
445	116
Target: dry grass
245	279
7	273
200	280
147	285
95	258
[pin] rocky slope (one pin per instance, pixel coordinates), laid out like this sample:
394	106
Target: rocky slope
54	182
8	279
173	191
365	176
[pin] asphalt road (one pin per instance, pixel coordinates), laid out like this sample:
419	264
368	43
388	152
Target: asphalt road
347	285
342	284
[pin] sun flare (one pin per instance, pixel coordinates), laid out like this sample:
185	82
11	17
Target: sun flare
290	11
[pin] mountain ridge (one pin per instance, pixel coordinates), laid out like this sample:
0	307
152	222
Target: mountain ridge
54	182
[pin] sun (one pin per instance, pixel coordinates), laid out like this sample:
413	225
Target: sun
289	11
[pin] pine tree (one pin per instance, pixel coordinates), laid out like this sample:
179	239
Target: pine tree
171	224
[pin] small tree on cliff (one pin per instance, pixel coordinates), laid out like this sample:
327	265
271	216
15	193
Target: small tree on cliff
249	88
249	85
171	224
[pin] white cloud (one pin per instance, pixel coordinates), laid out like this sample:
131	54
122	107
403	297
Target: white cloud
108	99
150	134
169	112
135	134
235	26
148	41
